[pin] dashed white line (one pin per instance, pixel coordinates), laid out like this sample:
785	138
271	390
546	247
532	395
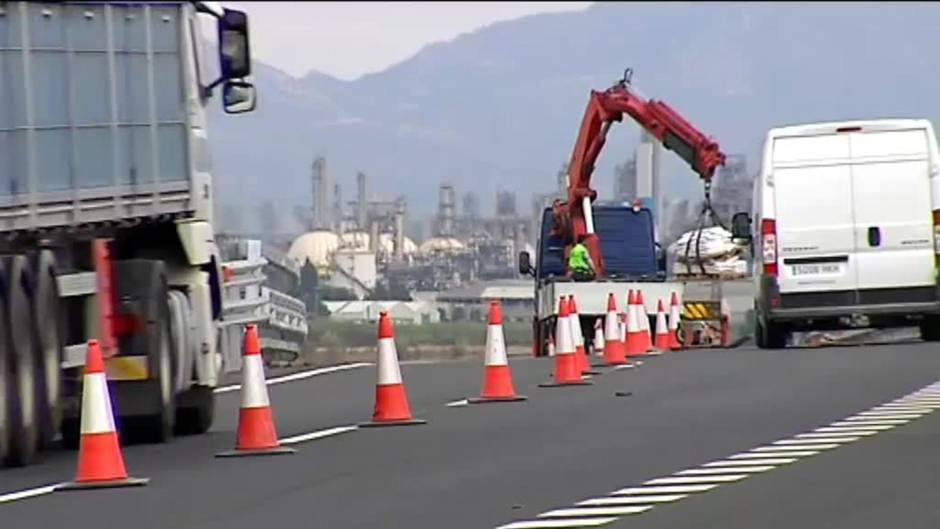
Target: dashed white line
738	468
804	447
318	434
828	439
557	524
866	424
894	417
28	493
690	480
918	413
752	462
664	489
457	403
596	511
861	430
826	435
299	376
634	500
785	453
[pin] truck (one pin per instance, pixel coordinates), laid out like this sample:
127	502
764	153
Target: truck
620	239
106	200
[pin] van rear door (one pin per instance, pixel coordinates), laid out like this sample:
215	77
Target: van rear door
812	188
892	208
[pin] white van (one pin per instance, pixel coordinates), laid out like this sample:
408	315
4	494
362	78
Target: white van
845	228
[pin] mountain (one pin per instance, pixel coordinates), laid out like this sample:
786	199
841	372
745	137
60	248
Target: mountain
499	108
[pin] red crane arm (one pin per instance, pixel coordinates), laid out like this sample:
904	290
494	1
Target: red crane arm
672	130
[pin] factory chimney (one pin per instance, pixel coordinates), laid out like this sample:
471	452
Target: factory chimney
361	206
400	229
446	211
321	186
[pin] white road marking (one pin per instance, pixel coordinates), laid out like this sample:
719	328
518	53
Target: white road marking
457	403
596	511
864	429
876	422
676	489
784	447
691	480
738	468
553	524
886	413
749	462
624	366
633	500
785	454
299	376
318	434
895	416
895	408
825	435
829	439
28	493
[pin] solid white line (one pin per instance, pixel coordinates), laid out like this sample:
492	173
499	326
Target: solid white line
737	468
457	403
28	493
829	439
825	435
665	489
633	500
777	448
877	422
299	376
320	434
697	479
552	524
596	511
776	453
749	462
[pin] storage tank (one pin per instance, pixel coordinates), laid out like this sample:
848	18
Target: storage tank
316	247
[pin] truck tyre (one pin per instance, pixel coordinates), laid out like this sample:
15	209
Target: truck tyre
17	316
6	390
769	335
930	329
196	411
48	338
144	282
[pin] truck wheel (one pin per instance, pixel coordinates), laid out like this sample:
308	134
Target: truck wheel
196	411
930	329
23	416
144	282
47	337
769	335
6	392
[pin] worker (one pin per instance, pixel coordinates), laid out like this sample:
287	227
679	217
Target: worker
580	265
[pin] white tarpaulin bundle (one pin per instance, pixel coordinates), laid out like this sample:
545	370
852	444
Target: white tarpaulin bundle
718	252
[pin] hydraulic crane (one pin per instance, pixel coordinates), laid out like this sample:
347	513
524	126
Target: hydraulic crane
573	217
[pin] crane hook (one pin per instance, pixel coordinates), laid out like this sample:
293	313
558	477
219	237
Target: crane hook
627	76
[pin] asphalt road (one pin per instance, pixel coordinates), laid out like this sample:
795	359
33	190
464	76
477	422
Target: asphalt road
486	466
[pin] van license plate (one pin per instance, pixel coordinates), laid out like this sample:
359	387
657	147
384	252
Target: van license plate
815	269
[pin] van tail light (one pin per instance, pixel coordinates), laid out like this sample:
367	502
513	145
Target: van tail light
936	232
768	231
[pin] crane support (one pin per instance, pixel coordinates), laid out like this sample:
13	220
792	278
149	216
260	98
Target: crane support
675	133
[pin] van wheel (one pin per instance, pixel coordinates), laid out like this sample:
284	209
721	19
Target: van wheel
196	411
22	404
769	335
930	329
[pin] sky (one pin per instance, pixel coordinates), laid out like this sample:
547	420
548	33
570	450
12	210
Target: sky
351	39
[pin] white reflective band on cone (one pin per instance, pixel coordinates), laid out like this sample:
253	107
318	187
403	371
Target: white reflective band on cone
661	323
576	329
599	342
633	324
96	406
388	370
563	342
612	327
673	317
254	390
495	346
643	317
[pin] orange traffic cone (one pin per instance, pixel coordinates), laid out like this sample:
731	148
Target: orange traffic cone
391	398
257	434
634	345
100	461
662	332
567	372
644	319
613	338
497	378
674	315
580	352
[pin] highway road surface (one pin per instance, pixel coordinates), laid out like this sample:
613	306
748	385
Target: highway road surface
840	437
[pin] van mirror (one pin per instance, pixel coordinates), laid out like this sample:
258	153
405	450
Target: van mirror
234	54
741	226
238	97
525	264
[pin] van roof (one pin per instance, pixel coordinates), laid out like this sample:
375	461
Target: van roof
813	129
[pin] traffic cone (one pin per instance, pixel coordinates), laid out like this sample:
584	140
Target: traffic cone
613	338
662	332
674	315
100	461
634	345
497	378
391	398
644	320
257	434
598	345
580	352
567	372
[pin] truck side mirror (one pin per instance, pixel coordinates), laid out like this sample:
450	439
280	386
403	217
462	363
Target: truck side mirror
234	54
525	264
238	97
741	226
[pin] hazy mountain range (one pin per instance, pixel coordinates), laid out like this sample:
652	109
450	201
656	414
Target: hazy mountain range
499	108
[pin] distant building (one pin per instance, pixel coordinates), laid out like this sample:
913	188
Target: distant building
401	312
471	302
